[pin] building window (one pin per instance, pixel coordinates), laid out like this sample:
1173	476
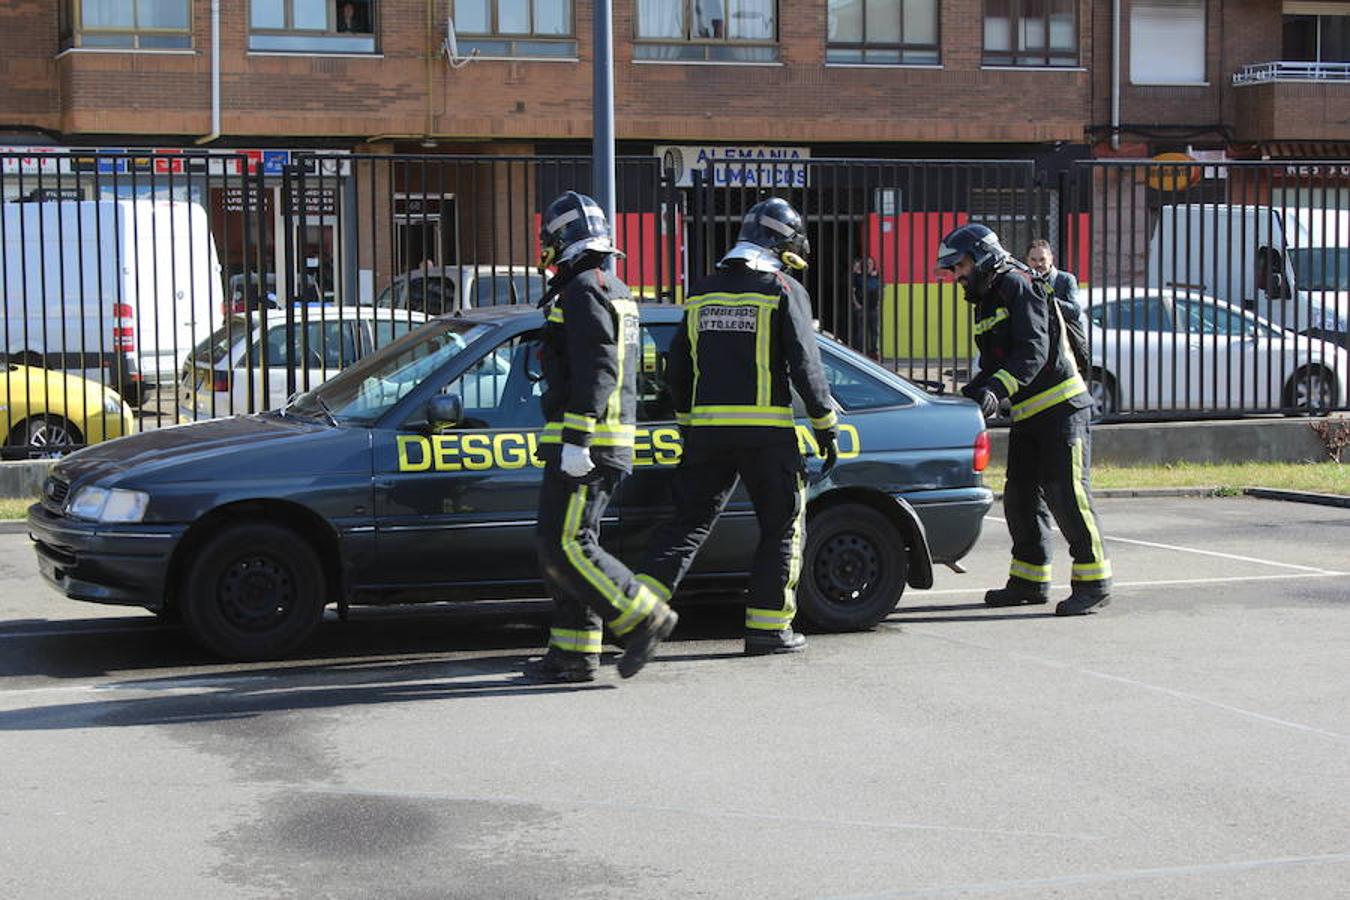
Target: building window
516	28
312	26
1167	42
707	30
1317	38
1031	32
885	32
127	24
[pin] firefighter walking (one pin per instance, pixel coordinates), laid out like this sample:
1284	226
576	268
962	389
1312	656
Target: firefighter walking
747	338
1026	359
589	357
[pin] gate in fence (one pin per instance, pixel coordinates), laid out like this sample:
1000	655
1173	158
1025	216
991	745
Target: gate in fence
141	290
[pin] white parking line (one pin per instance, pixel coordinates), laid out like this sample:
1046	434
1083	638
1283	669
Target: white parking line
1056	881
1143	685
1163	582
1233	556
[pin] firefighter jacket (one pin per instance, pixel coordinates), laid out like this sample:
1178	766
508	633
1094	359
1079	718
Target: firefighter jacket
1025	356
746	340
589	360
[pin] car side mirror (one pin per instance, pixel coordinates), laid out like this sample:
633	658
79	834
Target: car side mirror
445	411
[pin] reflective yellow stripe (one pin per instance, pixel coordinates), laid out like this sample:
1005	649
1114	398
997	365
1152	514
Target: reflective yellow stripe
985	324
1089	520
576	641
1029	571
829	420
644	601
1069	387
660	590
773	416
579	422
627	310
769	619
604	435
691	326
746	299
763	372
682	418
1099	571
555	314
1009	383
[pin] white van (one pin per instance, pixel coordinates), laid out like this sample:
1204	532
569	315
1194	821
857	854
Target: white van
1289	265
117	291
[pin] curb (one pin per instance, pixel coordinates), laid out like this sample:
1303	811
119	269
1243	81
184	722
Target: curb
13	526
1298	496
1115	493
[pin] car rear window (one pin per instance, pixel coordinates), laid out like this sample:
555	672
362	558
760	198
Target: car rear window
216	348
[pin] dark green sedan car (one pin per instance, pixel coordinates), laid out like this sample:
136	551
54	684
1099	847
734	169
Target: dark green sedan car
248	527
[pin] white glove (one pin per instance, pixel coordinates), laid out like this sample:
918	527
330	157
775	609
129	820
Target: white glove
576	461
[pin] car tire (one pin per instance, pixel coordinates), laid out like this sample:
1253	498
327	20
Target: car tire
1102	389
1311	389
43	437
254	591
853	570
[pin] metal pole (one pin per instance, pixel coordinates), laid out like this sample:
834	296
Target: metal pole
602	100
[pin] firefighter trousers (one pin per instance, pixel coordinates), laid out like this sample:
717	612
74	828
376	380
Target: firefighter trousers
775	479
590	588
1049	461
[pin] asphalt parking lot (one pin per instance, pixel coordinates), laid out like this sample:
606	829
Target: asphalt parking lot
1192	740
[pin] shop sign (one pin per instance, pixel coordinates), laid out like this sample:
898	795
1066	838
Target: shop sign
741	165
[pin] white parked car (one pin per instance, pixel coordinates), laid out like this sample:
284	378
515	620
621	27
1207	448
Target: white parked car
1160	349
225	373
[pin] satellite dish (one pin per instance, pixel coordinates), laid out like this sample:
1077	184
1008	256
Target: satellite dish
450	48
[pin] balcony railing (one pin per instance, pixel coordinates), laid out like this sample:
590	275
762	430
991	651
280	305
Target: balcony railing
1285	70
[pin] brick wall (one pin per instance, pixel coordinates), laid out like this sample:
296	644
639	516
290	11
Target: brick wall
28	82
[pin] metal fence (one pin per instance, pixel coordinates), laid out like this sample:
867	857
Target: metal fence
141	290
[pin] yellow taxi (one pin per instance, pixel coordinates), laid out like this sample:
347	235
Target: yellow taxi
45	413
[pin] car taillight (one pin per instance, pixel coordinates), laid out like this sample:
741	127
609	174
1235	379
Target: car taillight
124	330
981	456
220	381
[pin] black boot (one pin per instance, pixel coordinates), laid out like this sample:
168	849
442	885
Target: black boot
1080	604
640	644
1007	596
555	667
762	643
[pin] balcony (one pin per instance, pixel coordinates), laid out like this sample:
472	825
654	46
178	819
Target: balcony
1292	101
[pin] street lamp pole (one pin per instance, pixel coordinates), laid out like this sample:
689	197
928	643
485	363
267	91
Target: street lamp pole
602	101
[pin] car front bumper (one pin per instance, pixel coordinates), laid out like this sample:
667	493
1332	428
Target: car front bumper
122	565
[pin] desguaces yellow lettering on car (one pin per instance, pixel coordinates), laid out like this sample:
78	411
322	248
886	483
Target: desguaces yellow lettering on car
480	451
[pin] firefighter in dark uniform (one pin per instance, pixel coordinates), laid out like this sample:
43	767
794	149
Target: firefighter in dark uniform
1026	359
746	340
589	358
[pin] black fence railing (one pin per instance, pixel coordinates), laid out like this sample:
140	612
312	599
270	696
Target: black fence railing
143	290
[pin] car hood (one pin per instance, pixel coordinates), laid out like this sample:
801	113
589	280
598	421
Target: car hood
185	444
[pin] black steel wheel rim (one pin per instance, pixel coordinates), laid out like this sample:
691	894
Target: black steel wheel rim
256	592
847	567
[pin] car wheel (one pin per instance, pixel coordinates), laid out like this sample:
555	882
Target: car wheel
44	437
254	591
1312	388
1102	389
853	570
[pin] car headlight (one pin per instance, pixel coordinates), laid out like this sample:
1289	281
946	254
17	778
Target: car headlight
100	504
112	404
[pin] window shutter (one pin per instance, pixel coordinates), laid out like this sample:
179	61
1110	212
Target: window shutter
1167	42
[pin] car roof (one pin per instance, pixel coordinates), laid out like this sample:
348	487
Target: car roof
651	312
1098	295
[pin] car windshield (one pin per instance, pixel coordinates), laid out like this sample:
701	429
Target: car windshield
361	394
1322	268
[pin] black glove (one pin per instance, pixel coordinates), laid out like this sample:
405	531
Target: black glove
827	446
988	401
971	390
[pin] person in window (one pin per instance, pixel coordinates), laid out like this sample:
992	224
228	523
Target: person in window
1025	359
747	340
590	357
708	18
865	307
352	19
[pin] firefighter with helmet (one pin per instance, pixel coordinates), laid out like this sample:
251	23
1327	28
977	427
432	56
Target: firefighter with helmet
589	358
1026	360
746	340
